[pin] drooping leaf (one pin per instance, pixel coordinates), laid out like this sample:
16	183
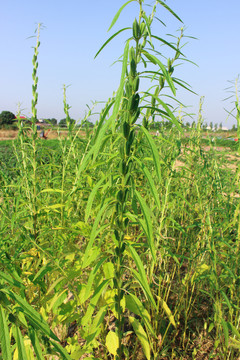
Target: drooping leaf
91	307
20	344
169	9
167	311
35	344
148	222
140	276
154	150
93	234
142	336
156	61
33	316
4	336
136	306
118	13
109	39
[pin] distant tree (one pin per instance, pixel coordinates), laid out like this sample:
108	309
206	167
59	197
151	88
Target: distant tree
211	125
220	126
51	121
88	123
215	127
204	126
7	118
234	128
188	124
63	122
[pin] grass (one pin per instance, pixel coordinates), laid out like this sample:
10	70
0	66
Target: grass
109	248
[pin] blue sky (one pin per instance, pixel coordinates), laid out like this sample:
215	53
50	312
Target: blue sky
73	32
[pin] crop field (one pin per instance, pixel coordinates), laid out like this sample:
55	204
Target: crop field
117	243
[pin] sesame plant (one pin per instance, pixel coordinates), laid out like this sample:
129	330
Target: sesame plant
116	243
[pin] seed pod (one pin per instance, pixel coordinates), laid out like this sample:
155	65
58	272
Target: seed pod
171	70
161	82
132	54
136	30
120	196
133	68
116	233
135	116
126	129
142	27
128	89
169	64
126	222
153	101
123	167
128	148
122	153
136	84
133	103
145	122
131	137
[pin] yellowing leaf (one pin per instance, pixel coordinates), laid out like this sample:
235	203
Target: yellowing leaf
112	342
167	311
142	336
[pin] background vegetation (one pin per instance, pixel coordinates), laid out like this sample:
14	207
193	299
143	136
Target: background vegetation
120	244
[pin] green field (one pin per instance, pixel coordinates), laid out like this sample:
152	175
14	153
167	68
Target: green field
120	244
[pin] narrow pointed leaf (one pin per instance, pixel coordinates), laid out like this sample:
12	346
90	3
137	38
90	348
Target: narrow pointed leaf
142	336
156	61
136	306
148	222
150	182
109	39
4	336
20	345
169	9
93	233
118	13
154	150
141	275
35	344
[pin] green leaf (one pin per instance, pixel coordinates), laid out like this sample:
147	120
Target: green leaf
93	234
10	280
109	39
4	336
154	150
167	43
169	9
150	182
43	271
95	328
226	332
92	196
136	306
20	344
148	222
91	307
167	310
91	279
155	61
33	316
64	354
118	13
140	276
122	80
35	343
112	342
142	336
